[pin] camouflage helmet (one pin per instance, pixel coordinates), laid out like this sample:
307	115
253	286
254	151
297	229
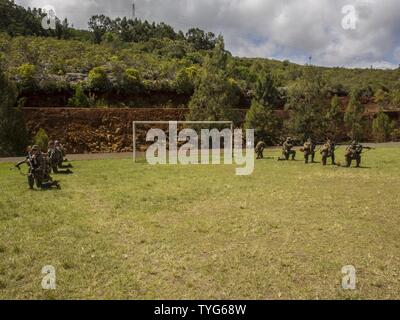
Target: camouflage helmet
35	148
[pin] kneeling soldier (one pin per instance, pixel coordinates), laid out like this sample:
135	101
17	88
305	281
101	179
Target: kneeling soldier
309	150
288	151
260	147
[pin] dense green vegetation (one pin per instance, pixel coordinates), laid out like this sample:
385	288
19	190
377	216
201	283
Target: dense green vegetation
13	136
117	62
161	56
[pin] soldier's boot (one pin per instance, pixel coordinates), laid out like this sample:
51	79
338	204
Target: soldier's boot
358	162
56	184
348	162
31	181
286	155
39	183
63	166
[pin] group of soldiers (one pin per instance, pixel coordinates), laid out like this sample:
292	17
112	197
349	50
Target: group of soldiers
41	165
327	150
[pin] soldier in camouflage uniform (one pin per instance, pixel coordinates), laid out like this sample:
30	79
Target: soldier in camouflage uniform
260	147
27	159
288	151
309	150
56	156
354	152
328	151
39	171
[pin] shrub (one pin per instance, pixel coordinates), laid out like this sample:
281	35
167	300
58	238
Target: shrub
131	81
41	139
26	74
184	81
98	80
79	99
26	71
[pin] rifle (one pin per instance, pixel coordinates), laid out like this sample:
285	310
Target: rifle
368	148
16	167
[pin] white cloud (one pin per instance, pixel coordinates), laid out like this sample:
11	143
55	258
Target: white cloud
286	29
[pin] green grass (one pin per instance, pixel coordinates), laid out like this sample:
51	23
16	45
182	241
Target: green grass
119	230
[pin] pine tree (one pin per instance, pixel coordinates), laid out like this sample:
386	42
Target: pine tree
353	117
214	95
306	107
382	127
334	118
261	116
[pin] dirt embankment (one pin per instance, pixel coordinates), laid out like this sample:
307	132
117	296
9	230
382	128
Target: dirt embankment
94	130
106	130
89	130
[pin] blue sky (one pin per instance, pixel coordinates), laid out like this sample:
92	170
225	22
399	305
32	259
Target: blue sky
350	33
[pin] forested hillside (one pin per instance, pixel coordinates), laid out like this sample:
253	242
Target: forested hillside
133	63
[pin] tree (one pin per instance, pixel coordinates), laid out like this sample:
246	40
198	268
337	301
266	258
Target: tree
200	39
382	127
99	25
219	57
353	117
13	134
261	116
305	104
214	95
41	139
334	118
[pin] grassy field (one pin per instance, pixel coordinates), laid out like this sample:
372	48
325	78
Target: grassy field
119	230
